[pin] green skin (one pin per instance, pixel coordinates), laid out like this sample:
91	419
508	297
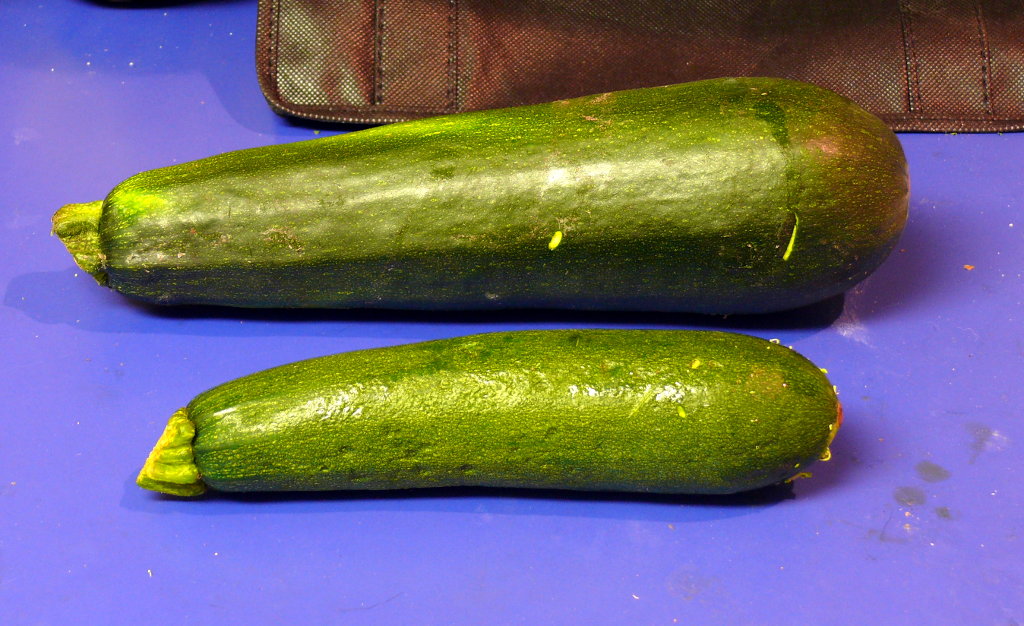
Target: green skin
720	196
660	411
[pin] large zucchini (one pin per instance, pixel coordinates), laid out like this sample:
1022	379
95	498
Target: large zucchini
620	410
719	196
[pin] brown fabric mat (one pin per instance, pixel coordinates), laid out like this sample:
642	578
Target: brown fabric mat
921	65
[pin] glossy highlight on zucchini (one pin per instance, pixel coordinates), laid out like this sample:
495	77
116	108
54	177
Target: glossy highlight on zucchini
657	411
742	195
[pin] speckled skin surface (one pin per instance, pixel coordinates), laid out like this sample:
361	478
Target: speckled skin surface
664	411
722	196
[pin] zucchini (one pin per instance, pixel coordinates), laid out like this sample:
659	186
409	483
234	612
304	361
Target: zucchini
660	411
721	196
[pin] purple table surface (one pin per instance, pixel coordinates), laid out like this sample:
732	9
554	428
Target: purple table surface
917	519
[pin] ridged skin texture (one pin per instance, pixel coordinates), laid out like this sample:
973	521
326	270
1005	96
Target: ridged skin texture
616	410
721	196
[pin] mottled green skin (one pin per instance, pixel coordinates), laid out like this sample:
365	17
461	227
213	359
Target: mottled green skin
619	410
676	198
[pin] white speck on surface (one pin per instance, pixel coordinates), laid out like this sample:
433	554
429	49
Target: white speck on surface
671	393
557	175
848	325
996	442
22	135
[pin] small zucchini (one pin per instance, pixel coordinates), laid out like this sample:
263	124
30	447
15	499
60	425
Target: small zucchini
741	195
660	411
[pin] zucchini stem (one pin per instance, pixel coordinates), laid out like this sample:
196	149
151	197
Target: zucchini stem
171	466
78	226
